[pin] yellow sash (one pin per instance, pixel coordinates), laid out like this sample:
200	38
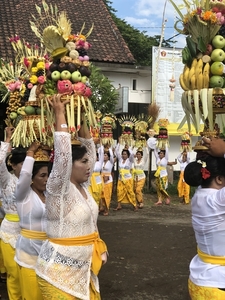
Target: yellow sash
122	173
137	172
159	169
93	181
34	235
90	239
209	259
12	218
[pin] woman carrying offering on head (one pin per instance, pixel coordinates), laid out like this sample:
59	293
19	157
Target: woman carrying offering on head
139	174
125	192
107	180
10	168
161	176
30	197
207	271
72	256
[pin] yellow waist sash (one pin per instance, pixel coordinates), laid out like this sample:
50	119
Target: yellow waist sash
137	172
123	172
209	259
93	181
12	218
159	169
34	235
90	239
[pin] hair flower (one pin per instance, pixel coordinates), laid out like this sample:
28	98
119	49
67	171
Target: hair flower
205	173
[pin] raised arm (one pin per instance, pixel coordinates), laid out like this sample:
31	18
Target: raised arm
5	146
131	157
166	153
101	154
25	178
61	170
145	154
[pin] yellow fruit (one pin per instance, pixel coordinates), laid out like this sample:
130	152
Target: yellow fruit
186	76
193	82
205	80
194	63
182	84
191	73
199	80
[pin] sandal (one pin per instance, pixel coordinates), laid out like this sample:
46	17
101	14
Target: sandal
135	208
105	213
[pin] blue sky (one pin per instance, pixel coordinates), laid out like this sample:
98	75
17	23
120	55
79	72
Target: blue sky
147	15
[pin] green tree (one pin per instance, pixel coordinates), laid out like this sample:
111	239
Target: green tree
104	94
139	43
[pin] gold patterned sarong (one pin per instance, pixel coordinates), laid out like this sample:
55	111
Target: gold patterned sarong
95	188
138	187
50	292
204	292
125	192
107	191
183	188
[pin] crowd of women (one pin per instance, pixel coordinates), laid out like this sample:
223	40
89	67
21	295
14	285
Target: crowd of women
50	243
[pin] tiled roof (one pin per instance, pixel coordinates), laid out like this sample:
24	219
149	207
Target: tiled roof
107	42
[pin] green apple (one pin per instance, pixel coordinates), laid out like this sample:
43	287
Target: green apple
84	79
20	110
217	55
216	81
55	75
217	68
29	110
218	41
65	75
13	115
76	76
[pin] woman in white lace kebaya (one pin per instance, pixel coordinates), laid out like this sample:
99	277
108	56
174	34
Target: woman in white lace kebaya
107	180
71	258
30	197
139	174
95	187
125	191
10	227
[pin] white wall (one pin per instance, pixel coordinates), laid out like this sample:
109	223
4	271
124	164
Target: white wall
142	94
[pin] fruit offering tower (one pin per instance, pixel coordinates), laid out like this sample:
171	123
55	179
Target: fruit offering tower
140	129
185	145
162	137
203	76
64	69
95	131
127	123
108	123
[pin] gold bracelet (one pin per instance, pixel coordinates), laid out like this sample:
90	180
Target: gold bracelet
30	151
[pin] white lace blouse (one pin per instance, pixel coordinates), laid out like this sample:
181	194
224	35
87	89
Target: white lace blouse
107	167
9	230
141	165
124	165
31	211
69	215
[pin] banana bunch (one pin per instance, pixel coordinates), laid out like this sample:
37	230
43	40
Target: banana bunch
195	77
50	87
